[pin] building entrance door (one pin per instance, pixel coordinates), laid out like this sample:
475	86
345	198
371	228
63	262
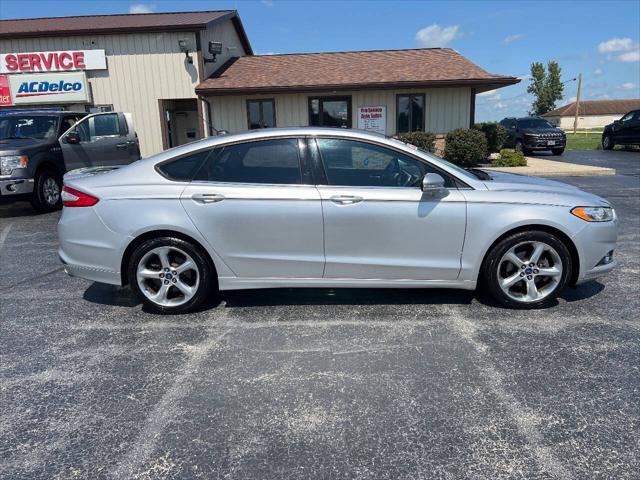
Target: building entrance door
180	122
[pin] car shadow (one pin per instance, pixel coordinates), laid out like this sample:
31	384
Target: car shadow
112	295
16	208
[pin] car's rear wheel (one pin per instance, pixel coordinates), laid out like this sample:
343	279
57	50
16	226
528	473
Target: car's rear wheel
171	275
47	187
607	142
557	151
527	270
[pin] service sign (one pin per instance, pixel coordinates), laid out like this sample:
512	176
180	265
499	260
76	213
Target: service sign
42	88
59	61
373	119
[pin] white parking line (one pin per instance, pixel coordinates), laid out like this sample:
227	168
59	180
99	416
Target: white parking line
4	234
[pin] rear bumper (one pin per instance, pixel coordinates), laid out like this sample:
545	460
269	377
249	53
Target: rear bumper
14	187
543	144
88	249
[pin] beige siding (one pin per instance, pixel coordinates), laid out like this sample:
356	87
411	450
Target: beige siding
446	108
226	33
585	121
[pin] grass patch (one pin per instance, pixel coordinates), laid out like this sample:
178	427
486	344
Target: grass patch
584	141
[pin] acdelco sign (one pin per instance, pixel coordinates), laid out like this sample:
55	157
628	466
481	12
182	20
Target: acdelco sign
44	88
59	61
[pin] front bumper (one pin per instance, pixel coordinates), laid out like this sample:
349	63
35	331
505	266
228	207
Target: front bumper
532	143
20	186
594	242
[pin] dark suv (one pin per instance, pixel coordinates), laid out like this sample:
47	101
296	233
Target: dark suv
531	134
625	131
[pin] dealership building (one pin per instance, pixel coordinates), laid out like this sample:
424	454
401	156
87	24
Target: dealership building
188	75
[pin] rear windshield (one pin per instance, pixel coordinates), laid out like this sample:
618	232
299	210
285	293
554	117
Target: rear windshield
28	126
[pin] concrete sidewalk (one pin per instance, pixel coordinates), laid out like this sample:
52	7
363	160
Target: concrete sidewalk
538	167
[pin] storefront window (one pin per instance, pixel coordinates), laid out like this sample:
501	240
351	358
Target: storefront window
261	113
330	112
410	113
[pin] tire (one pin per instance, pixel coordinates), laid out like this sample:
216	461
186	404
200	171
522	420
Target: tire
607	142
496	267
557	151
519	147
179	292
47	188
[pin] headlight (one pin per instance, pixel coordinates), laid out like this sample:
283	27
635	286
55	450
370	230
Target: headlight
8	163
594	214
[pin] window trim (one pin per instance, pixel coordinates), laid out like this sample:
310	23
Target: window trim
424	111
458	183
331	98
259	101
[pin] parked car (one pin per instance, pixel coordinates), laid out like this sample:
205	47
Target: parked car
38	147
314	207
625	131
533	134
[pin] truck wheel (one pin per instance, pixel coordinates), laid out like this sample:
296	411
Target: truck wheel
46	191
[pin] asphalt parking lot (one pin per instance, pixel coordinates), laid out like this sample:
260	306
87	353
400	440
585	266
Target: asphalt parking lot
385	384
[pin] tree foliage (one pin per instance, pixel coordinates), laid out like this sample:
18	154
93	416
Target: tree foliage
545	86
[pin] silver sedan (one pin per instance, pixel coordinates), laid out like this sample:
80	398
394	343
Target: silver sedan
316	207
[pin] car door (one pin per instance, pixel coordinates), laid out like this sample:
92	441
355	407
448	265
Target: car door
628	131
378	224
255	204
105	139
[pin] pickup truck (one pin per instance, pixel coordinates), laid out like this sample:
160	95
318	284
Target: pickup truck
38	147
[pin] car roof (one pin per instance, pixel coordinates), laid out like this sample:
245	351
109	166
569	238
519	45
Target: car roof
11	113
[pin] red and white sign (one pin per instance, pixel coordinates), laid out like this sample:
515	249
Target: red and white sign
5	92
59	61
373	119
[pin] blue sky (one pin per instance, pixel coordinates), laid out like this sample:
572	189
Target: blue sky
599	39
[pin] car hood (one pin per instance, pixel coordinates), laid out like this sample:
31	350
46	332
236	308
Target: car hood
15	144
540	190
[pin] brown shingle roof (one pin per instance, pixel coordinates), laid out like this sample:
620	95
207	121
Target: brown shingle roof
111	23
356	70
596	107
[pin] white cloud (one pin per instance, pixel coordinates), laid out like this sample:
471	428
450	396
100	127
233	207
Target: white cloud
622	49
628	86
267	3
489	93
630	56
616	45
437	36
141	8
597	71
512	38
572	99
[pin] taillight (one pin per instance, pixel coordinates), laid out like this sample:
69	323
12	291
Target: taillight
75	198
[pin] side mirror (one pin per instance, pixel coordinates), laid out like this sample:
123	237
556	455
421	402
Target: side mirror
73	138
432	183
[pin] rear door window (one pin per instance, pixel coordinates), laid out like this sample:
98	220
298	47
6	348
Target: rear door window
274	161
184	168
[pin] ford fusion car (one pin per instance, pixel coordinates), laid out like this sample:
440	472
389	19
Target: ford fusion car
314	207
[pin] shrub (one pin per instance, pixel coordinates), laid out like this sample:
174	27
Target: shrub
422	140
510	158
496	135
465	147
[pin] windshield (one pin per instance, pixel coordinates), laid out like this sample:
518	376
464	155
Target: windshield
28	126
534	123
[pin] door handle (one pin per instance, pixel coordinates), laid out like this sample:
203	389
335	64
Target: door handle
121	146
207	197
346	199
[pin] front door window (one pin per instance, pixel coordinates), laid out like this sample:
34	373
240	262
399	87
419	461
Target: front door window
330	112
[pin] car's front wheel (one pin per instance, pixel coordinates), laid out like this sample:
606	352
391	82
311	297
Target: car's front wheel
527	270
171	275
47	187
607	142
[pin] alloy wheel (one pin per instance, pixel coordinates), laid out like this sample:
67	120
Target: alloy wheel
168	276
51	191
530	271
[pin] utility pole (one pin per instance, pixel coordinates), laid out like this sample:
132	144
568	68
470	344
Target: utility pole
575	119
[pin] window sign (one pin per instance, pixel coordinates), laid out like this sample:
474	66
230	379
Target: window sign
373	119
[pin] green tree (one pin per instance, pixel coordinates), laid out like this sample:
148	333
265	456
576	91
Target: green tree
545	86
